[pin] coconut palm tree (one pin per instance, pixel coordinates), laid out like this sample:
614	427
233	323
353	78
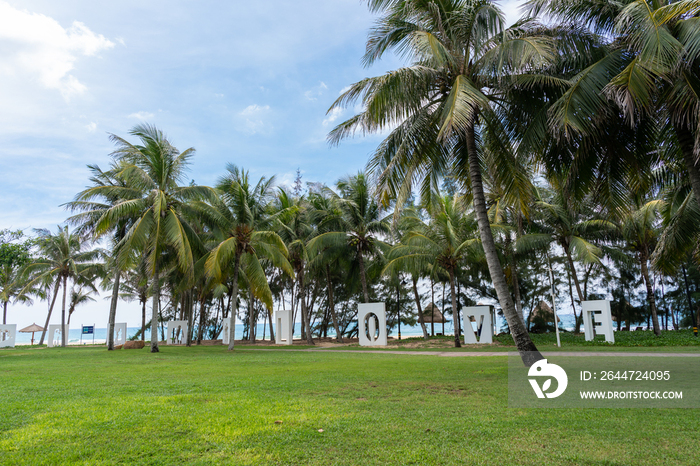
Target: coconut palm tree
569	225
639	228
80	294
107	190
294	223
62	256
446	242
651	70
361	224
238	223
158	207
462	57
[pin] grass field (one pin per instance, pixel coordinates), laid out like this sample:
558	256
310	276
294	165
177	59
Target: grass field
205	405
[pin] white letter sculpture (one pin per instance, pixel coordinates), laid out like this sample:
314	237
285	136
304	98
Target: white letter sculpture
597	320
55	335
483	315
371	324
119	334
285	327
226	331
8	333
176	333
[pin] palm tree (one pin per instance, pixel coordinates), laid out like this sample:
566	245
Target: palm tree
157	208
462	59
62	256
80	294
445	243
360	225
650	71
569	225
11	285
107	190
638	227
238	224
295	227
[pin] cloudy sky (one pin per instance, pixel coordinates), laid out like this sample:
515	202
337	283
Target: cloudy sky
242	82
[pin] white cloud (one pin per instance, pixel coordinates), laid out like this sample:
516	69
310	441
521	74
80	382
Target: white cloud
317	91
39	46
91	127
142	115
252	119
333	115
344	90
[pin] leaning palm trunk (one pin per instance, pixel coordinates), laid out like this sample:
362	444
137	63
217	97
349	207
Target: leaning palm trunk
528	350
454	308
234	307
650	293
574	275
156	309
48	317
113	310
420	308
64	337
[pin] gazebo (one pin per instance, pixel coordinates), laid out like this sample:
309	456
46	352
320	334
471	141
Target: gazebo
31	329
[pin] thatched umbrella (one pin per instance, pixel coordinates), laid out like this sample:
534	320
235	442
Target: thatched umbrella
544	311
31	329
433	314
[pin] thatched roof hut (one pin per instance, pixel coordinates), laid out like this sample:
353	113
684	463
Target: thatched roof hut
431	313
544	311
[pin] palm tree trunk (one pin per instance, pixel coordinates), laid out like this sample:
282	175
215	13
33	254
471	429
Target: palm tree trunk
514	275
202	321
4	313
190	317
252	321
64	337
432	307
454	307
272	332
650	293
528	350
331	305
156	309
420	308
363	276
576	283
143	320
48	317
302	299
234	298
113	309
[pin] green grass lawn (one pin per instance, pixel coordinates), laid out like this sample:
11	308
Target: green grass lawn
205	405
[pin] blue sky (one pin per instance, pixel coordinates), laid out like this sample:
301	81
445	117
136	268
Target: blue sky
242	82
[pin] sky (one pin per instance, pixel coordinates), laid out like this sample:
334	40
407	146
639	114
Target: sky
242	82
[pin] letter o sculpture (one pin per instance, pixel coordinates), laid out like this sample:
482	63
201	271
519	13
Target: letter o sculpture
373	311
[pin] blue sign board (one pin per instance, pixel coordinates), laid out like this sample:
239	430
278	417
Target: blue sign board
88	330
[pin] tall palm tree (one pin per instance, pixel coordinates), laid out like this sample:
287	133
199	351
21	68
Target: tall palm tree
639	228
80	294
107	190
62	256
238	224
361	224
462	57
294	223
157	208
567	224
445	243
